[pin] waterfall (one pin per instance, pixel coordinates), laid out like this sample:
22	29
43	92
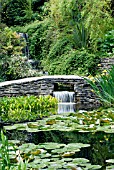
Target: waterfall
66	101
25	50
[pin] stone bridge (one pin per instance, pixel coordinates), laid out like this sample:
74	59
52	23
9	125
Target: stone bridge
46	85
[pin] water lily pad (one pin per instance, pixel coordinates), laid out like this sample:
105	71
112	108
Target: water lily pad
50	145
55	156
91	167
70	165
45	155
51	122
13	141
80	161
36	152
110	161
110	167
109	131
32	125
59	151
68	154
31	130
67	159
55	165
9	127
77	145
37	166
27	147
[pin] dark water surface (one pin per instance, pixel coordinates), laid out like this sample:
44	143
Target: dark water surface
101	143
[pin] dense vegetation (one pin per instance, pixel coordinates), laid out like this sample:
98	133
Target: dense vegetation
26	108
67	37
103	87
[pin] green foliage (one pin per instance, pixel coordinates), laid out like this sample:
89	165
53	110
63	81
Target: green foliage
6	148
65	12
40	9
92	130
67	15
104	87
81	121
72	62
80	36
11	43
16	12
27	108
107	43
21	12
97	18
12	64
17	67
4	153
59	47
36	32
95	15
62	29
37	39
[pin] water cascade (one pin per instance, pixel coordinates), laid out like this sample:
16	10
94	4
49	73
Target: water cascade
66	101
25	50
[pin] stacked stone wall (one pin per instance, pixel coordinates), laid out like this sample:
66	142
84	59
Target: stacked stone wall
84	97
106	63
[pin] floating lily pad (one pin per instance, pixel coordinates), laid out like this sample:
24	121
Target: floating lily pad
45	155
70	165
13	141
32	125
59	151
80	161
32	130
50	145
51	122
68	154
110	161
110	167
38	166
67	159
91	167
77	145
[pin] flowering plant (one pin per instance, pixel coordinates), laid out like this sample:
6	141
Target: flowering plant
103	86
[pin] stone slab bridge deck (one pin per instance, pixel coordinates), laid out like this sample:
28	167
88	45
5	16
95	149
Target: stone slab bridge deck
45	85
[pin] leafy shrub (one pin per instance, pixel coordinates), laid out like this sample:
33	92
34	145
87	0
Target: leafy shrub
12	64
104	87
72	62
59	47
16	12
17	67
26	107
11	44
107	43
97	18
36	32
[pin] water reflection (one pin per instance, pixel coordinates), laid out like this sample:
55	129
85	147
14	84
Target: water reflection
101	149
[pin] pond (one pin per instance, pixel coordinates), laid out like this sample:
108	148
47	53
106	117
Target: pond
80	140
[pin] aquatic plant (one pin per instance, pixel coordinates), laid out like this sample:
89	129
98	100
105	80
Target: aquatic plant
69	134
85	121
47	155
4	153
26	107
8	155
